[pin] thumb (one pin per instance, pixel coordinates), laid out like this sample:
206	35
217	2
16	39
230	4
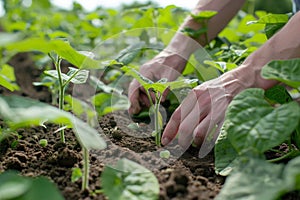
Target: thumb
134	95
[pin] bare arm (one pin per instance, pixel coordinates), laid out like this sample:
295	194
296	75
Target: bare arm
285	44
226	10
205	105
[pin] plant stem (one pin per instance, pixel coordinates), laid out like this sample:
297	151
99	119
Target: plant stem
86	169
61	97
289	155
156	121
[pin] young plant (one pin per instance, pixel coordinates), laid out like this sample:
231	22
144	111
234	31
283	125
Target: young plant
129	180
22	112
74	75
158	88
202	18
256	122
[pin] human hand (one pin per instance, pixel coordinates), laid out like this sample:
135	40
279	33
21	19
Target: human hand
200	116
165	65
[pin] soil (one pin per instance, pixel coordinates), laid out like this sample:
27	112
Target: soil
187	177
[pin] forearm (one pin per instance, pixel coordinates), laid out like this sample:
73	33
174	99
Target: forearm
284	45
226	10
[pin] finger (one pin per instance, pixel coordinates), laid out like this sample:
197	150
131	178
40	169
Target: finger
187	126
134	95
172	127
165	94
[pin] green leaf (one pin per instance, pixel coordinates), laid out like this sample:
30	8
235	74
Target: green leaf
271	19
129	180
7	77
278	94
271	29
99	85
145	82
255	179
255	126
60	47
194	33
225	154
7	38
76	76
24	112
14	186
128	54
76	174
286	71
291	174
204	15
222	66
107	103
5	82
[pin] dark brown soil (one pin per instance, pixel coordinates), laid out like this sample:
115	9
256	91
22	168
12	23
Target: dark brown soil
186	178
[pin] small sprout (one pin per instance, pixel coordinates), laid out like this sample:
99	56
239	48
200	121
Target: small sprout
76	174
133	126
43	142
164	154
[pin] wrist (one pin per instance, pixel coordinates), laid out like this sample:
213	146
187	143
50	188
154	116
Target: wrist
182	45
251	77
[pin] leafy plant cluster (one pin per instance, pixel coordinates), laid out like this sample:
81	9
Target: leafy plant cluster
256	121
257	124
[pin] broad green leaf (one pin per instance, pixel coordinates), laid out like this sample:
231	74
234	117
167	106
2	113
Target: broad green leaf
24	112
194	33
100	86
42	188
128	54
7	38
107	103
139	77
7	77
81	108
255	126
5	82
286	71
129	180
60	47
271	29
256	179
222	66
76	76
204	15
271	19
291	174
278	94
14	186
225	154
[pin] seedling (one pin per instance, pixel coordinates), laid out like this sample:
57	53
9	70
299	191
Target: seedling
43	142
75	76
158	88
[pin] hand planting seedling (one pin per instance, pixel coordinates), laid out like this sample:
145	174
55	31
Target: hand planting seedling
158	89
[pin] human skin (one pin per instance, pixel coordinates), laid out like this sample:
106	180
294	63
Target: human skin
203	109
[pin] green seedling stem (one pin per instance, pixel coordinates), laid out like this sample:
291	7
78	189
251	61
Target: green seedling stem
57	63
156	120
86	169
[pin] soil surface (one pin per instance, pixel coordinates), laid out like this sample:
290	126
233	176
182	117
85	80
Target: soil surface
184	178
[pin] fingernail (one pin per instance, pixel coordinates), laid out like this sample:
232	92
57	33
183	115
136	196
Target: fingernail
165	140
